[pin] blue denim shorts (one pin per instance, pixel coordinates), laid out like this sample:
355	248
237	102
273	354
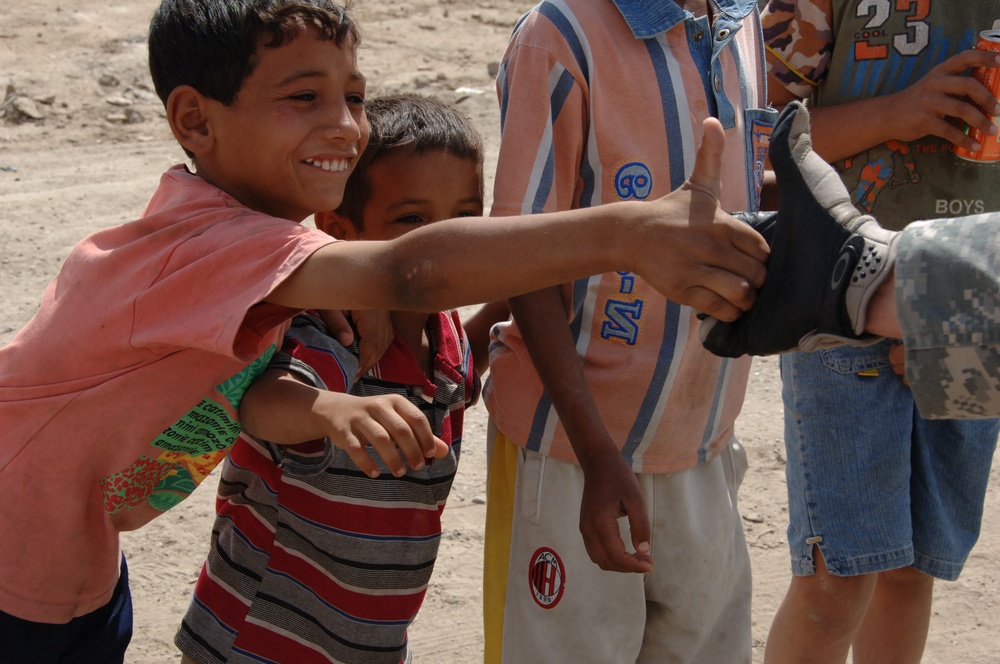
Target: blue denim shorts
870	481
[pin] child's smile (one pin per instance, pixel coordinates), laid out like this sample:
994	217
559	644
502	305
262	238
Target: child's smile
338	165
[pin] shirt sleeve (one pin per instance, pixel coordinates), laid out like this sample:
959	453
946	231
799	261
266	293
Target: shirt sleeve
798	39
946	294
543	121
209	288
314	357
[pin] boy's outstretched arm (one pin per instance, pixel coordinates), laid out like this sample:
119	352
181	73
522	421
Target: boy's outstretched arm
282	410
683	244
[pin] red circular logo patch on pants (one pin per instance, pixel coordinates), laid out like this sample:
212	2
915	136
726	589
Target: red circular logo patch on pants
547	577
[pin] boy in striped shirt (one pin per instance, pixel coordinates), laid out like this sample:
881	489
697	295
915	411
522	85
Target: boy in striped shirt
322	552
603	398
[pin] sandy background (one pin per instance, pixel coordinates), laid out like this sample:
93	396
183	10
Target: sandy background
82	144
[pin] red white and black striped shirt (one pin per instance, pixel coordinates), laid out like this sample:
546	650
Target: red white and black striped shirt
312	560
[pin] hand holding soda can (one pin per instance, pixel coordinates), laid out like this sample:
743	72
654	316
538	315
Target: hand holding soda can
989	151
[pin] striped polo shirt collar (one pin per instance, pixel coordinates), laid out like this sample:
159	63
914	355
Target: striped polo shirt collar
648	18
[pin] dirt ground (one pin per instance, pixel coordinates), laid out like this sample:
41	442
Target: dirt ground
83	141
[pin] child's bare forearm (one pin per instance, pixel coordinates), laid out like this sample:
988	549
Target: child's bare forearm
282	410
682	244
610	488
845	130
464	261
935	105
509	256
542	321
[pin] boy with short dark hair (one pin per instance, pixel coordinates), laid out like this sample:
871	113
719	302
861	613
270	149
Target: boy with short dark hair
122	393
311	558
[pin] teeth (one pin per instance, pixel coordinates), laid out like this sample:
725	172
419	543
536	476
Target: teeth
329	164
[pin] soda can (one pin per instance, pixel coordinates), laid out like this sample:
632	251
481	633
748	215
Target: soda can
989	40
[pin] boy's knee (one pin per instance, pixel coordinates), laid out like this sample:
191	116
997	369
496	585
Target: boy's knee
836	602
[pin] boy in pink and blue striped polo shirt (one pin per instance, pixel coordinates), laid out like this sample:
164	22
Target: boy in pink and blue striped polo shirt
603	396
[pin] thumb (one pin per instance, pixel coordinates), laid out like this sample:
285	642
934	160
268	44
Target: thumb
707	174
639	527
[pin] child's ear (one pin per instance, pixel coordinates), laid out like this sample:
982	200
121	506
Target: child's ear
335	224
187	113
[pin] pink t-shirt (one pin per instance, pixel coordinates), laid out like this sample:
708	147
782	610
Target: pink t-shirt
122	393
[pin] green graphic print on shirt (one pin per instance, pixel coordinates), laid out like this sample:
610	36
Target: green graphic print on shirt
192	447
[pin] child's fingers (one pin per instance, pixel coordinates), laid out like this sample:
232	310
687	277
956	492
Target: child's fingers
394	428
389	449
754	247
441	449
612	491
640	531
376	334
389	453
368	356
721	304
430	445
897	357
398	427
969	59
359	455
609	553
391	437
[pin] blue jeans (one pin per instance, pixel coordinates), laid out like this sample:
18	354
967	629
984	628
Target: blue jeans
100	636
870	481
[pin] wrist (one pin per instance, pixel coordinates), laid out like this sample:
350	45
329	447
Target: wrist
635	230
882	317
596	455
